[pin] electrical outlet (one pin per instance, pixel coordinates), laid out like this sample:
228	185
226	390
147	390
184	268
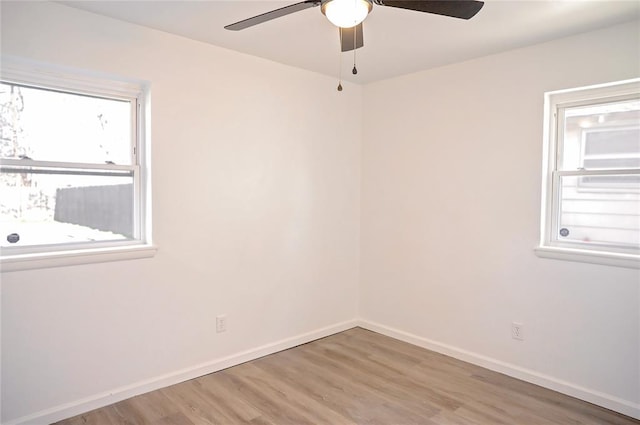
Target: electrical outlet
517	331
221	323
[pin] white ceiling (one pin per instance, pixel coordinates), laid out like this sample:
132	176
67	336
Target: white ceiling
397	41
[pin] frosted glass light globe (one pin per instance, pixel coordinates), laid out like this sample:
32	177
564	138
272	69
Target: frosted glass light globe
346	13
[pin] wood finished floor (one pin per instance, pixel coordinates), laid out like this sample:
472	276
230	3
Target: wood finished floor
354	377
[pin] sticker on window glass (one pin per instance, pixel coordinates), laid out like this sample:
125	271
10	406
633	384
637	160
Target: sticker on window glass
564	232
13	238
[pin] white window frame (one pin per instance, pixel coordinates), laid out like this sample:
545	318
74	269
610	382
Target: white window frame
553	128
45	76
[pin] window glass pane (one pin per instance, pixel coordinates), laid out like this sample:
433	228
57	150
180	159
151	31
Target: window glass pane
605	136
47	125
52	206
600	211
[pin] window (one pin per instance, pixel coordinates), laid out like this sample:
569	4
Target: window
591	191
72	168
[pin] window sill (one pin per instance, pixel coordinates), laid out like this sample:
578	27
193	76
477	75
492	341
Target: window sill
594	257
72	258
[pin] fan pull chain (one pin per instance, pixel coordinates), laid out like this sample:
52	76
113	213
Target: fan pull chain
354	71
340	64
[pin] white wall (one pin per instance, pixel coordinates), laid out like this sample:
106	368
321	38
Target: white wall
450	218
256	181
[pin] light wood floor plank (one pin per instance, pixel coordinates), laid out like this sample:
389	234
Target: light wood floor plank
232	404
366	401
381	379
305	403
356	377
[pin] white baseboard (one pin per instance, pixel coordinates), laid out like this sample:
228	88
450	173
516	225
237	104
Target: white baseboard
118	394
601	399
96	401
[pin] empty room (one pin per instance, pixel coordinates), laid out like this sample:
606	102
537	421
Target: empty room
320	212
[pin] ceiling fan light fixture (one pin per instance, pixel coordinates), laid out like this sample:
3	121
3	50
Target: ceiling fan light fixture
346	13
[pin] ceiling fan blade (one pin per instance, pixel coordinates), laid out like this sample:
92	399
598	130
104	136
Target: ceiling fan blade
287	10
463	9
347	37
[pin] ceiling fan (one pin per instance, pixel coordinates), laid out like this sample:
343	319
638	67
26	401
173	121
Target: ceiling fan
348	15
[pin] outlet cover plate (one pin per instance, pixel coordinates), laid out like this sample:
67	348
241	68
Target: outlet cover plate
517	331
221	323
